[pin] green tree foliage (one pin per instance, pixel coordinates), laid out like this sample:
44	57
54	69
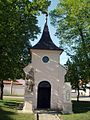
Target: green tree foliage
72	21
18	25
78	71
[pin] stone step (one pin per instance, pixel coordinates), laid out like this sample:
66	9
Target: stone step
47	116
49	111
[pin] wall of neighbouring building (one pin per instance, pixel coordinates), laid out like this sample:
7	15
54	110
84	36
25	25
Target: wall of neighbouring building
13	88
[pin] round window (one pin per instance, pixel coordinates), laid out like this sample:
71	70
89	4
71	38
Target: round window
45	59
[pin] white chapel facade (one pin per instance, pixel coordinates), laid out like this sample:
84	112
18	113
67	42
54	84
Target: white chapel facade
49	89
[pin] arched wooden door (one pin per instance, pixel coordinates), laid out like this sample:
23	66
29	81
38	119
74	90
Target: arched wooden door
44	95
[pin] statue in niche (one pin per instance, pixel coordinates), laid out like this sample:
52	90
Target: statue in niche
30	80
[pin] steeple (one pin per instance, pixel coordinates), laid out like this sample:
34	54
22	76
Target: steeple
46	42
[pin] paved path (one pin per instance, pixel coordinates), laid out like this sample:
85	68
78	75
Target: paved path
46	116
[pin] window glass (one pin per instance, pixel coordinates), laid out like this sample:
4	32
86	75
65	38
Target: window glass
45	59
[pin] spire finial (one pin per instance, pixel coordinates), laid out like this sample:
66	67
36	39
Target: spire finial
46	26
46	17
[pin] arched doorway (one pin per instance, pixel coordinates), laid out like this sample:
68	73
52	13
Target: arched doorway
44	95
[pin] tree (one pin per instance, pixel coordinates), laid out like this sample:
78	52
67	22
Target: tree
71	19
78	71
18	24
72	76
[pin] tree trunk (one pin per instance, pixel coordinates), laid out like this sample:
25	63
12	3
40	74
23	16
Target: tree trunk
84	44
11	87
78	92
1	89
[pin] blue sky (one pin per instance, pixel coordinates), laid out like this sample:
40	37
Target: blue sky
52	30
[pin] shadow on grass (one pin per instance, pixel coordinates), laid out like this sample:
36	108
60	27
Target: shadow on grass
81	106
8	109
11	104
5	114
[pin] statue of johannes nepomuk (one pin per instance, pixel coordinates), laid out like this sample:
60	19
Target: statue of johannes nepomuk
30	80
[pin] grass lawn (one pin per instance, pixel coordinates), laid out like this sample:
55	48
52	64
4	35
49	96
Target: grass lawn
80	116
8	110
81	111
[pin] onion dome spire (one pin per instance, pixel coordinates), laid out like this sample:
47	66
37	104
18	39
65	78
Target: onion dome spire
46	42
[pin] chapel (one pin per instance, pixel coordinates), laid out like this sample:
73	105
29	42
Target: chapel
45	78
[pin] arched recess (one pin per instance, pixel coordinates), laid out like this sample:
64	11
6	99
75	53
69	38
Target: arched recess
44	95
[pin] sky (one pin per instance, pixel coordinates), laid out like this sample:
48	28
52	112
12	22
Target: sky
52	30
